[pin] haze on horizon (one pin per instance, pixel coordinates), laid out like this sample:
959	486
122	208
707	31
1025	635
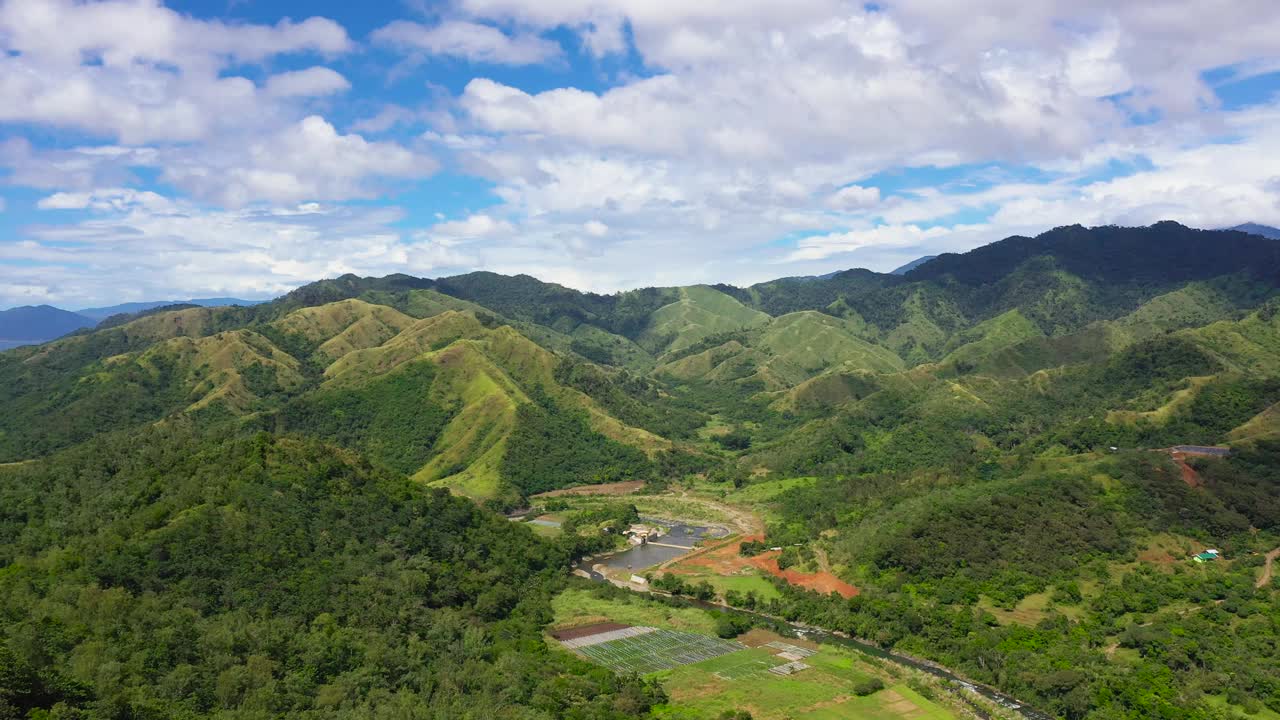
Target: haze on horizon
152	151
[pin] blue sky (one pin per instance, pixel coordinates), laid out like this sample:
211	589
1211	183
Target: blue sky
153	151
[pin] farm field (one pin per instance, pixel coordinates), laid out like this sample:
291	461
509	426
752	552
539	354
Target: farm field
755	583
657	650
736	675
742	681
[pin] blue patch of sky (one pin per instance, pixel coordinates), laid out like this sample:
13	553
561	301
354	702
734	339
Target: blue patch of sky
451	195
1136	111
19	211
1114	168
953	179
1237	93
975	215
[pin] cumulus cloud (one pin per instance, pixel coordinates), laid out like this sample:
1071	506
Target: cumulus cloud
169	247
753	123
471	227
137	71
854	197
79	167
309	160
313	81
104	199
469	41
818	247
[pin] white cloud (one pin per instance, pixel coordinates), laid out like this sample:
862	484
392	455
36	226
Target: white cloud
818	247
470	41
137	71
170	248
105	199
79	168
752	121
309	160
312	82
470	228
854	197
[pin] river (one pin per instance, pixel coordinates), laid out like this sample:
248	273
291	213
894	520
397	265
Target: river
679	540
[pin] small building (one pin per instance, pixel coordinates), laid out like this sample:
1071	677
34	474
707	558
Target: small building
1207	556
639	580
642	534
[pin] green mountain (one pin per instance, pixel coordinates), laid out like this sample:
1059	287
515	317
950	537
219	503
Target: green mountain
287	510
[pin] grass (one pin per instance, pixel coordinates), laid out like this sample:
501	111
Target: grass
1029	611
545	530
1236	711
576	606
763	492
739	583
661	506
658	650
742	664
898	701
700	311
742	681
806	342
982	340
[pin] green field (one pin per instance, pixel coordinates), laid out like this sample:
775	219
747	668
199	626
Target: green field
738	583
738	679
763	492
742	681
576	607
658	650
1238	713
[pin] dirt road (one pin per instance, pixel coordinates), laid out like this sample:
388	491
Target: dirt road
1267	568
748	522
619	488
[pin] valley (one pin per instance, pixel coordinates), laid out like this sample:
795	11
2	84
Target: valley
986	463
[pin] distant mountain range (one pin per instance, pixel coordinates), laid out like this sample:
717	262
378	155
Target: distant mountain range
1265	231
32	324
912	265
102	313
35	324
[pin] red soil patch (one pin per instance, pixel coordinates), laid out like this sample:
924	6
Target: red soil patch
618	488
725	560
823	582
720	560
1189	475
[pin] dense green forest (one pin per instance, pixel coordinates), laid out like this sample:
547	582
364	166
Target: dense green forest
289	509
176	573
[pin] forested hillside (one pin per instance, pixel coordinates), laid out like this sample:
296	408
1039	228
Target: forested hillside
288	509
173	572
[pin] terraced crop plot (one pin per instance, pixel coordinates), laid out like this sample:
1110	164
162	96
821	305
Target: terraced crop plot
657	650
